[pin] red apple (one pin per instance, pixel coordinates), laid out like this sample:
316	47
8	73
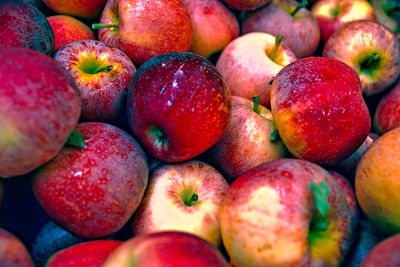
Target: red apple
319	110
12	251
89	253
387	114
386	253
25	26
182	197
271	216
214	26
247	4
102	73
178	106
39	107
248	65
298	27
371	49
93	191
166	249
68	29
332	14
143	29
85	9
248	141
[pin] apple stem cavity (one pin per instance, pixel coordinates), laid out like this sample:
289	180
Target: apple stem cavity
96	26
192	200
105	68
75	139
303	3
370	63
272	55
256	104
160	137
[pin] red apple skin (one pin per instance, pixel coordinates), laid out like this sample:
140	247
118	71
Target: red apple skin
248	70
103	93
387	115
93	191
146	28
25	26
319	110
12	251
178	106
247	4
350	10
386	253
39	107
169	249
84	9
214	26
300	32
246	143
68	29
266	214
90	253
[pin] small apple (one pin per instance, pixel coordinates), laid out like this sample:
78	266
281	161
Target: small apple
182	197
288	18
94	190
178	106
246	4
68	29
102	73
385	253
12	251
143	29
388	13
319	110
371	49
84	9
176	249
25	26
249	63
332	14
387	114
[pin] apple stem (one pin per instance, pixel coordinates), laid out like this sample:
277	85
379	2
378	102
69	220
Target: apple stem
106	68
274	135
96	26
272	54
303	3
374	58
190	202
256	104
75	139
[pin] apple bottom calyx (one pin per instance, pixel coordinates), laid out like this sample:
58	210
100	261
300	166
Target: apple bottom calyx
159	136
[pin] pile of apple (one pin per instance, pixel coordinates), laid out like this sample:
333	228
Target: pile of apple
201	132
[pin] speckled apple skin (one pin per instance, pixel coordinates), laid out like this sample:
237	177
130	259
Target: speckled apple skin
169	249
183	95
39	106
25	26
386	253
266	214
89	253
12	251
68	29
247	4
300	32
319	110
146	28
93	191
86	9
387	115
104	93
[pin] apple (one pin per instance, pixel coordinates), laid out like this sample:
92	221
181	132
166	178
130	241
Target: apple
182	197
272	215
178	106
249	140
377	183
144	29
214	26
102	73
89	253
332	14
249	63
387	114
371	49
288	18
168	248
319	110
12	251
93	191
84	9
36	3
68	29
247	4
25	26
388	13
39	107
386	253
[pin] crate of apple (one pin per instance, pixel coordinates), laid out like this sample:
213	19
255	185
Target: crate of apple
203	132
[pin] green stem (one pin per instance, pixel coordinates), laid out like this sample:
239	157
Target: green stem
256	104
272	54
96	26
303	3
371	60
190	202
105	68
